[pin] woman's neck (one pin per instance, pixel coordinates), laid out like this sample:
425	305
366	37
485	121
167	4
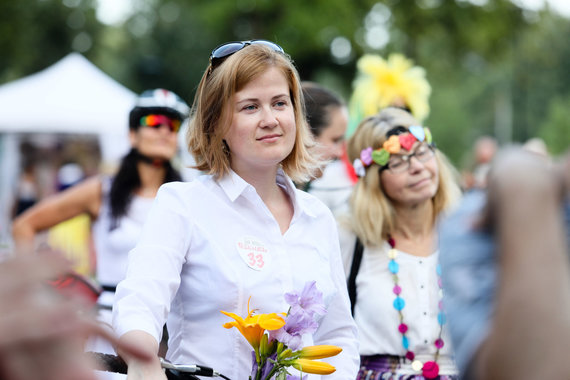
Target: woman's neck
264	182
272	195
415	229
151	178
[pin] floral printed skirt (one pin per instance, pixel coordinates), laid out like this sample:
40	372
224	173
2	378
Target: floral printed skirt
389	367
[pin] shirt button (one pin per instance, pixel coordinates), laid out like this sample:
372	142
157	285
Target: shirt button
425	341
421	262
421	286
425	312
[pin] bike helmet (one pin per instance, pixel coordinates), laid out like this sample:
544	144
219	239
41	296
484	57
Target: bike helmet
159	101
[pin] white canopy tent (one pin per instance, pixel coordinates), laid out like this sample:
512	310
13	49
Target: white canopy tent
72	96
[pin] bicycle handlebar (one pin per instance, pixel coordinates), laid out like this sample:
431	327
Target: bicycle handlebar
113	363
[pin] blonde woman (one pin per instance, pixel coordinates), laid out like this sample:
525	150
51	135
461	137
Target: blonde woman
249	133
390	248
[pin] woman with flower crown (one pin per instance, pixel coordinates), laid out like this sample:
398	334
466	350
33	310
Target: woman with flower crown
389	246
241	232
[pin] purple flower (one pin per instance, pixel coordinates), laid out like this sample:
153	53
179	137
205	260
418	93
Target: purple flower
310	301
295	326
267	367
293	377
253	366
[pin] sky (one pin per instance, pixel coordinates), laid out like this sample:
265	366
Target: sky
115	11
560	6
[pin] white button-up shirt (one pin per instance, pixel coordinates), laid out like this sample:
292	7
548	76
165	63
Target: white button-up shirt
374	312
208	246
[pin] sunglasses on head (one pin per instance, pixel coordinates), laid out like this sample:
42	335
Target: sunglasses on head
156	121
225	50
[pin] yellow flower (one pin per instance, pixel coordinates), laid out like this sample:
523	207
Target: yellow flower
253	326
319	352
388	82
313	366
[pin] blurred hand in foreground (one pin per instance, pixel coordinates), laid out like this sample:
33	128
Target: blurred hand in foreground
41	332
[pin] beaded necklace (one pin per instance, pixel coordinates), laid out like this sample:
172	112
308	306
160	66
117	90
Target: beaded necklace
430	369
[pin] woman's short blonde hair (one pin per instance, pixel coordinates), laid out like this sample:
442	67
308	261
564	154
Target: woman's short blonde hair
373	216
211	116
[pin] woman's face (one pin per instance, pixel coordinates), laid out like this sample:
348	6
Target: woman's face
155	142
331	139
413	186
263	130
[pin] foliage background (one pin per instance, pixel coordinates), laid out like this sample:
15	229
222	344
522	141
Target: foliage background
494	67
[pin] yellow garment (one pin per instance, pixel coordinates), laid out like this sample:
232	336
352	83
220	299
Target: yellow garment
71	237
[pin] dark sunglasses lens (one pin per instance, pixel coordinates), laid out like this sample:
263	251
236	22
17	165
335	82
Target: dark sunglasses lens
226	49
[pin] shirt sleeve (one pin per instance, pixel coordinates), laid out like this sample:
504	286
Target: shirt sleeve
467	257
337	326
142	299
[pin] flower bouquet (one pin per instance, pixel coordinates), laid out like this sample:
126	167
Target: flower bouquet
276	338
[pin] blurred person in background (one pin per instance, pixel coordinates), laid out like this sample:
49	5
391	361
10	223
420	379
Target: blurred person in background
117	206
72	237
506	271
327	116
390	250
27	193
42	332
537	146
484	150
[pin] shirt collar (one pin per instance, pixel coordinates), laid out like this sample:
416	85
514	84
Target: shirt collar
234	186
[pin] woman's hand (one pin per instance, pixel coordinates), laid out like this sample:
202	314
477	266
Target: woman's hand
141	369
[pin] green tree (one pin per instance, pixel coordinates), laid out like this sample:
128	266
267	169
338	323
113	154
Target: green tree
35	34
555	130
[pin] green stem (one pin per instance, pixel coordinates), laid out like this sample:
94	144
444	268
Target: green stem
258	360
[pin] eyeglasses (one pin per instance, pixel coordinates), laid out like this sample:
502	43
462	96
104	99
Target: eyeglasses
399	164
225	50
156	121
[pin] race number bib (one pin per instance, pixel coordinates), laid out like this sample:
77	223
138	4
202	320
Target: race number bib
253	252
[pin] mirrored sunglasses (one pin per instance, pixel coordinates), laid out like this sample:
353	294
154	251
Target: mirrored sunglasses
225	50
156	121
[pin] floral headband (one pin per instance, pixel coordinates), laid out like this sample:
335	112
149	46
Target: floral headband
392	145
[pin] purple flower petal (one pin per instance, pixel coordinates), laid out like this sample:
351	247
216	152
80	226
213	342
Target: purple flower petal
296	325
310	301
253	366
294	377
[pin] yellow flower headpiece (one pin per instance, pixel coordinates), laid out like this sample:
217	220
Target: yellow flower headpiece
394	82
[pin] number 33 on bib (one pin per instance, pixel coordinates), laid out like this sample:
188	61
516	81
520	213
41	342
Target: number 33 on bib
253	252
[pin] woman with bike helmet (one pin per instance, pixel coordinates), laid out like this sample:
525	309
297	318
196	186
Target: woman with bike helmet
117	205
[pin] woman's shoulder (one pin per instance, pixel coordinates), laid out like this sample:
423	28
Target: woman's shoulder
184	186
188	192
